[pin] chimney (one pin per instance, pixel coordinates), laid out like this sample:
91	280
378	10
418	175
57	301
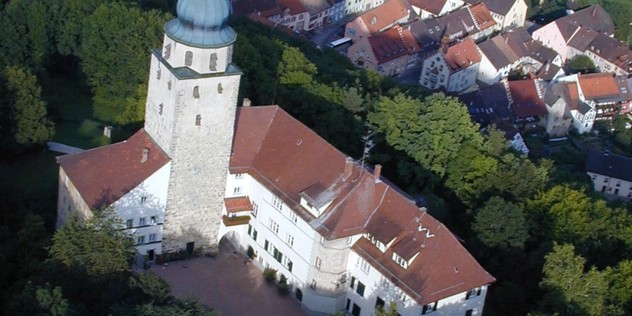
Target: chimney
377	172
145	155
246	102
348	168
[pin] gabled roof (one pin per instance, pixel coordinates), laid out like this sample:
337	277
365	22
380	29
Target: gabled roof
599	87
498	52
482	16
105	174
609	165
288	158
292	6
525	99
501	7
462	55
611	49
487	103
392	44
432	6
593	17
582	38
384	15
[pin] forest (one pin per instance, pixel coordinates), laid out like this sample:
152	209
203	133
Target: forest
534	223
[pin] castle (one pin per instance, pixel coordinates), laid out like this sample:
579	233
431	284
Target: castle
204	169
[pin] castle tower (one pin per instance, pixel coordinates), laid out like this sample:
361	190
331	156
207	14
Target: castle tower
190	113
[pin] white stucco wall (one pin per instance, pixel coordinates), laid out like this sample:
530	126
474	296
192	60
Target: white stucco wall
613	186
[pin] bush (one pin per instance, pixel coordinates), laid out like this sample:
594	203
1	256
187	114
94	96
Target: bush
283	287
269	274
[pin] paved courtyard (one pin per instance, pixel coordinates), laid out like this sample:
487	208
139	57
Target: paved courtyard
227	284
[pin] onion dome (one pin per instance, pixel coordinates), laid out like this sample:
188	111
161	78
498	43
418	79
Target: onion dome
202	23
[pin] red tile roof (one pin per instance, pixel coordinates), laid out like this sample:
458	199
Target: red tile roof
238	204
288	158
384	15
392	44
463	54
598	86
482	16
525	99
103	175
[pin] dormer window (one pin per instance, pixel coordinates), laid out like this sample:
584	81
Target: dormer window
401	261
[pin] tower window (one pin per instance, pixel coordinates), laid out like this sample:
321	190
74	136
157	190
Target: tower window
198	120
167	52
188	58
196	92
220	89
213	62
160	109
169	85
158	74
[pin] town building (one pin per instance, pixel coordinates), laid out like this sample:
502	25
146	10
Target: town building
378	19
508	14
204	170
527	105
610	174
452	68
607	94
426	9
389	53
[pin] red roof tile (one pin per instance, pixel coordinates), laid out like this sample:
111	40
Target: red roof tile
103	175
598	86
525	99
238	204
384	15
462	55
392	44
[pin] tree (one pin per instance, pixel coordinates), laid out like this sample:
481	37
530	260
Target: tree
582	64
392	310
28	123
500	224
295	68
99	247
569	290
432	132
71	18
619	294
113	53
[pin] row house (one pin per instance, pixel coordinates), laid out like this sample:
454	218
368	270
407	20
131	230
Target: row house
473	21
427	9
452	68
526	101
359	6
607	94
610	174
302	15
487	104
508	14
389	53
379	19
516	49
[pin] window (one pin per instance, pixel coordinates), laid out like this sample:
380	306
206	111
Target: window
236	190
167	52
274	226
198	120
255	208
469	312
313	284
239	176
360	289
277	254
266	245
196	92
152	220
318	263
352	284
141	221
212	65
140	240
293	217
278	204
152	237
129	223
169	85
379	303
158	74
289	265
143	199
290	240
220	89
188	58
428	308
364	266
253	233
160	106
472	293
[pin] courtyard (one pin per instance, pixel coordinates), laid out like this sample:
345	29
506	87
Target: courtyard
228	283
